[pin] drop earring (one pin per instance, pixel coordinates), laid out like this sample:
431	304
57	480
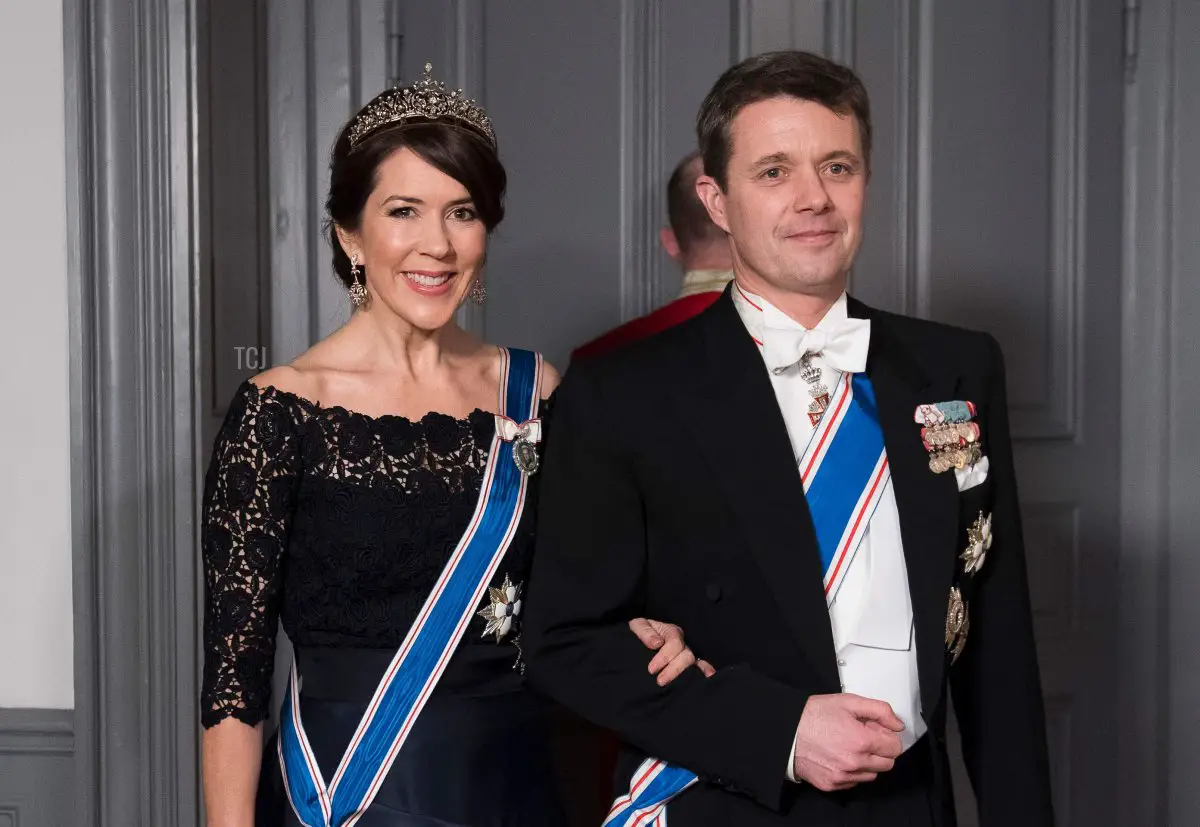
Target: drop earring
358	290
478	292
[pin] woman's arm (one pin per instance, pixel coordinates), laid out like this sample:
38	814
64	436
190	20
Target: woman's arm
249	496
232	755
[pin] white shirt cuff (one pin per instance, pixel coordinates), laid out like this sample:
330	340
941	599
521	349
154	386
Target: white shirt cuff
791	768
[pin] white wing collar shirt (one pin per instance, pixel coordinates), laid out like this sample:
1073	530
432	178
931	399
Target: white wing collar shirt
871	614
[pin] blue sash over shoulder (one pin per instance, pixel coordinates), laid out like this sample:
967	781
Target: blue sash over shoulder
845	471
423	656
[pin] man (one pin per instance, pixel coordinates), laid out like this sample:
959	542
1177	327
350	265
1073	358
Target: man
701	249
821	494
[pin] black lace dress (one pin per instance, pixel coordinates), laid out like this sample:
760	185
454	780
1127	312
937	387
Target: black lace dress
339	524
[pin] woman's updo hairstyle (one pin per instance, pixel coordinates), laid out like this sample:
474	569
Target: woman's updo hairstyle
465	154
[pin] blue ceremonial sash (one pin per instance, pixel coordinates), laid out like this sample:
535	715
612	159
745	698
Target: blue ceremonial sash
844	469
654	783
422	657
845	472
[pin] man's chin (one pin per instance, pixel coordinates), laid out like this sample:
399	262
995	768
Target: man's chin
817	282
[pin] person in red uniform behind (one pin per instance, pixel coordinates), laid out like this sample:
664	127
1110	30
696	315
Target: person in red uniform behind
700	247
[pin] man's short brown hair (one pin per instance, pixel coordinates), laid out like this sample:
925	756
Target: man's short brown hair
777	74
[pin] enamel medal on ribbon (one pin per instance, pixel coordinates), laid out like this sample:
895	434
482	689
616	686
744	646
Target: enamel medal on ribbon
524	437
525	453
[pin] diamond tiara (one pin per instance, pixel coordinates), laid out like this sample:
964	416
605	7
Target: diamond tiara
426	99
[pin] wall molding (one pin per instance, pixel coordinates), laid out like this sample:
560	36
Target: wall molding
840	30
641	196
37	749
292	218
913	138
467	44
793	24
37	732
739	30
1057	417
1147	274
915	135
132	226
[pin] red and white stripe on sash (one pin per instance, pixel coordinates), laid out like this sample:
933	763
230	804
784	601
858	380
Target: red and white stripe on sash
824	439
653	785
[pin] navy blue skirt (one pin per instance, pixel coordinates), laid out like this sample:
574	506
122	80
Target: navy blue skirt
478	756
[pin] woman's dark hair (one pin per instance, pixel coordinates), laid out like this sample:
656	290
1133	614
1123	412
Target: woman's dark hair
777	74
455	150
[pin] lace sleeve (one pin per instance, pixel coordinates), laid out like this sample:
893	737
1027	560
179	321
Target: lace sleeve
249	493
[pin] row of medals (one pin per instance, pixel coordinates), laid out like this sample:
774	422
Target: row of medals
952	445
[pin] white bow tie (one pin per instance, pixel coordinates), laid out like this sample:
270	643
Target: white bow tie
843	345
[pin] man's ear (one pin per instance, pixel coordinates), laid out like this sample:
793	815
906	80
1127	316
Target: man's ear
670	242
711	196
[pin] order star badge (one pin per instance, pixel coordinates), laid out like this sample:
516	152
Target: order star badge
503	610
958	623
979	540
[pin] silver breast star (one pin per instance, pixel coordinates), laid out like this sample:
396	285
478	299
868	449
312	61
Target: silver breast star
503	610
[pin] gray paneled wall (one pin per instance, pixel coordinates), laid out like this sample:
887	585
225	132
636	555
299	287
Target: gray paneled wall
1181	234
996	202
324	61
235	288
593	104
133	247
36	768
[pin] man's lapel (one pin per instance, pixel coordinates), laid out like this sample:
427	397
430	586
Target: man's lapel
738	425
927	502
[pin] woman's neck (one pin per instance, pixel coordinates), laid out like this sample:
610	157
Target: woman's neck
394	345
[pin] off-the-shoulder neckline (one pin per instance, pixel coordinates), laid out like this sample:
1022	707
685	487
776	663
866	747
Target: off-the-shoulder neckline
315	407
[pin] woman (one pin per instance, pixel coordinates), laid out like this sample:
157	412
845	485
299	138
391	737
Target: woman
377	495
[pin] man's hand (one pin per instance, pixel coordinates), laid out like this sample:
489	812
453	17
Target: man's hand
673	657
843	740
